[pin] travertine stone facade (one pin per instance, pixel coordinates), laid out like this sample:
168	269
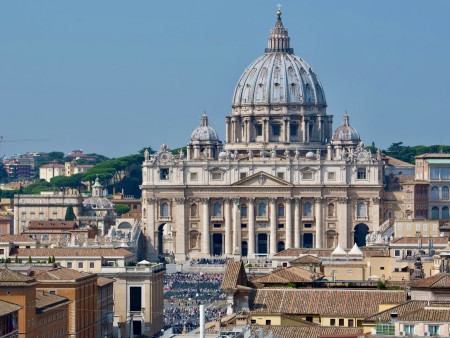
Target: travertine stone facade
281	180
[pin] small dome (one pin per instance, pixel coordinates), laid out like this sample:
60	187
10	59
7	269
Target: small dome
97	202
310	155
204	132
346	133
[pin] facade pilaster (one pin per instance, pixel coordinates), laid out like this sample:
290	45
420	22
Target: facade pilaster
180	239
150	210
343	228
319	222
297	223
273	226
236	227
375	212
227	216
288	216
251	227
205	227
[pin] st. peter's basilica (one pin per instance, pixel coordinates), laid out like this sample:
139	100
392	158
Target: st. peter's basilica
282	179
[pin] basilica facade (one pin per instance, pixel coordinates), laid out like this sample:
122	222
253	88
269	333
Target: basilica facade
282	179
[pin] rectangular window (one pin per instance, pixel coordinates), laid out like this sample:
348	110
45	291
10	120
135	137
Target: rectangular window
307	175
276	128
194	176
80	265
53	292
268	322
332	322
244	226
217	225
397	253
307	225
164	174
309	319
242	176
425	227
69	265
91	265
331	176
2	251
361	174
350	323
433	329
409	329
341	321
293	129
135	302
281	226
280	176
216	176
259	130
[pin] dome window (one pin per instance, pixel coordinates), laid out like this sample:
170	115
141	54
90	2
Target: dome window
276	84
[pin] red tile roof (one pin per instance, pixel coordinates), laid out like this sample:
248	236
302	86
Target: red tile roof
234	275
439	281
78	252
292	274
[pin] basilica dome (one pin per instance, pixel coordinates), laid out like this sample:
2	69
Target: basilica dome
346	133
279	77
204	132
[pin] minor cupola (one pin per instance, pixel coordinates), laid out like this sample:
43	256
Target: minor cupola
345	133
205	143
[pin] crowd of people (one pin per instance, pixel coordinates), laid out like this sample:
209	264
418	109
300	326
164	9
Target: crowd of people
183	294
209	261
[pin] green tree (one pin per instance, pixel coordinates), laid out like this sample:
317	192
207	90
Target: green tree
122	209
53	259
30	260
64	183
70	215
55	156
16	260
49	260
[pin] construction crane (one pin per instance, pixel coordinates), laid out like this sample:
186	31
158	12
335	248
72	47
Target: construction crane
2	140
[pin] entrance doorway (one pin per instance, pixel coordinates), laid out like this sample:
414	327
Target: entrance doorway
160	239
307	240
361	231
244	247
217	244
262	243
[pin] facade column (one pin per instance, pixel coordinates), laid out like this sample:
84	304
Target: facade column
249	129
180	218
233	130
236	227
227	131
375	213
319	223
297	223
303	129
251	227
206	250
266	130
288	130
343	228
273	226
150	209
227	215
288	243
307	131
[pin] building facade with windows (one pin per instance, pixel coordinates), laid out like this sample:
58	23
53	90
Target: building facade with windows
282	179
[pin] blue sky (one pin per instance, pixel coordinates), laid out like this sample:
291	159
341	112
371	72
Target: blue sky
114	76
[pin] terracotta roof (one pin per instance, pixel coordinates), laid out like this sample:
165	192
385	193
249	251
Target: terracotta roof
234	275
52	165
396	162
306	259
295	331
292	274
6	308
102	281
352	303
433	156
403	310
60	273
415	240
79	252
439	281
428	314
13	278
45	300
17	238
53	225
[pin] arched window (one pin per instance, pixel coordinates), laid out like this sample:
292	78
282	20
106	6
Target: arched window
217	211
262	209
280	210
164	210
330	210
194	210
435	192
434	212
445	193
361	209
243	210
445	213
307	209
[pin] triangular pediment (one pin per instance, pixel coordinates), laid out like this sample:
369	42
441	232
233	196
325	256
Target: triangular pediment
262	179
